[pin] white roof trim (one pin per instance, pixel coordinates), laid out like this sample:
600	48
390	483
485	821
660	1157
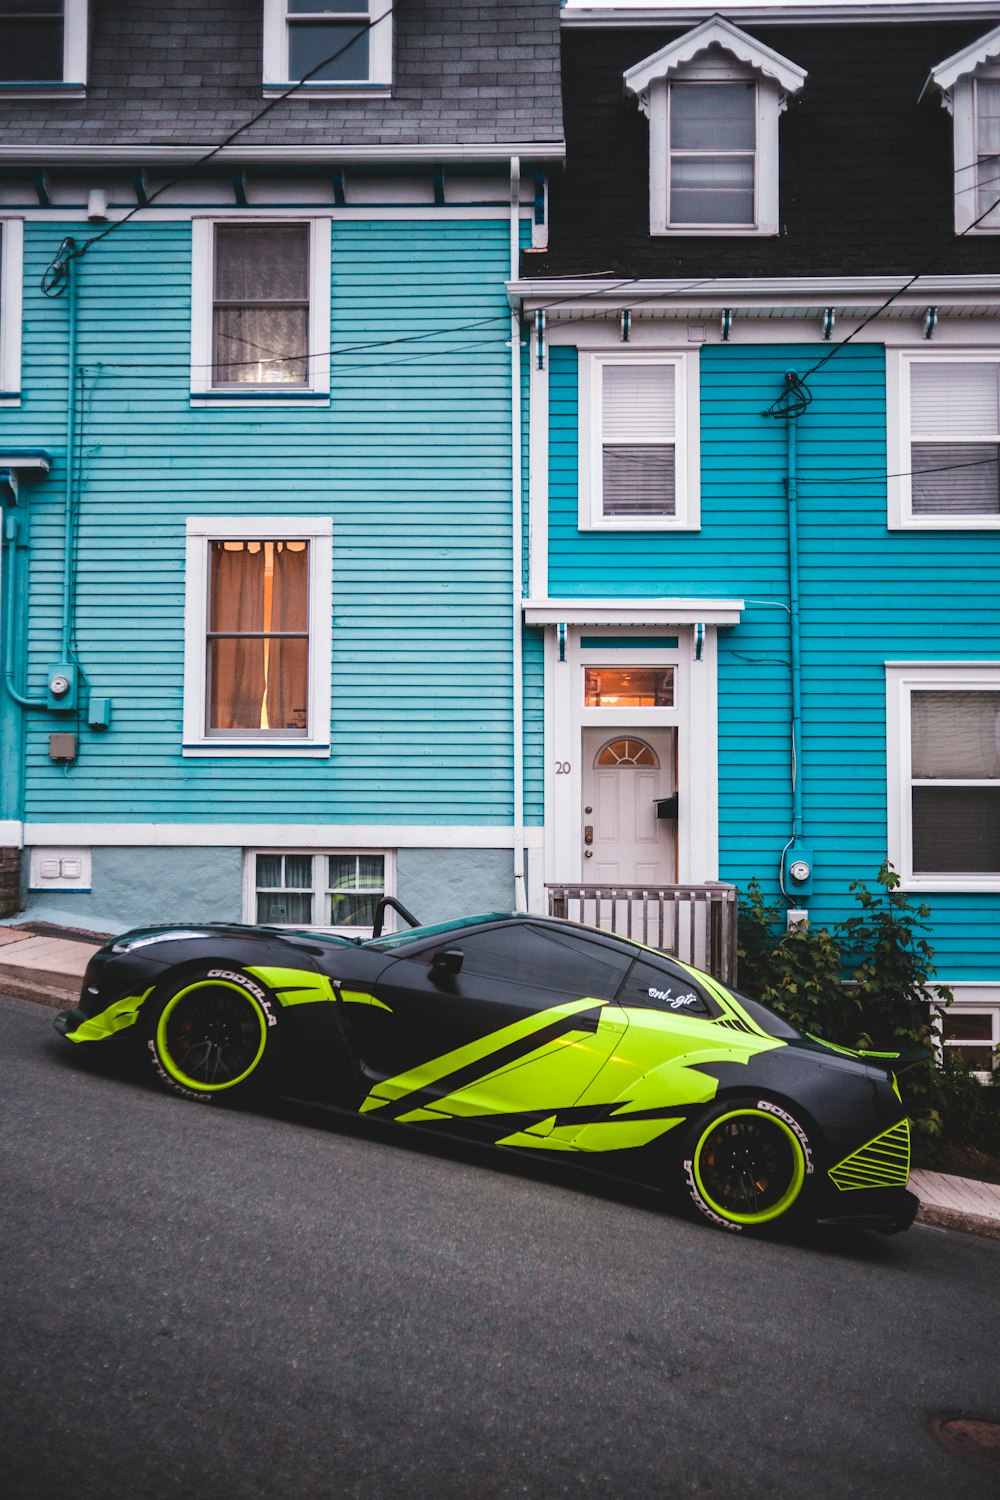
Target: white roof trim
947	73
721	33
632	612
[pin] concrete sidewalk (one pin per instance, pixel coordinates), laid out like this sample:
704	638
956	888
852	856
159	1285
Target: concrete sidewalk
48	967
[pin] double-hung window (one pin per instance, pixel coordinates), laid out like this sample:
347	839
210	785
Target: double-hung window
328	46
310	889
43	46
257	647
712	155
944	440
261	309
944	781
639	441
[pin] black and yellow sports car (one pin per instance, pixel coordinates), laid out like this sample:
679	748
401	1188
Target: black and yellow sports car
530	1033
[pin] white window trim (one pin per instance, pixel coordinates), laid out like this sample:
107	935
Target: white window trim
765	157
276	66
901	680
899	362
687	426
202	265
74	65
250	886
973	1000
318	531
11	309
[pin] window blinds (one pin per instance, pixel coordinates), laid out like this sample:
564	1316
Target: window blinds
955	431
639	440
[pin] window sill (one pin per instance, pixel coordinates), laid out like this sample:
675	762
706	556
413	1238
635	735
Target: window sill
256	749
674	524
39	90
329	90
945	523
260	396
729	231
942	884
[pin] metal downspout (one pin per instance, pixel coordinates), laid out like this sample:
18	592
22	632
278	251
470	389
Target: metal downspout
517	546
70	505
792	486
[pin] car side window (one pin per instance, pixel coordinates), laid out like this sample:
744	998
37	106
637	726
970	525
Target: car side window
538	958
656	987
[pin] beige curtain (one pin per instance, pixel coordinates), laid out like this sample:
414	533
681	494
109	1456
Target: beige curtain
236	667
288	661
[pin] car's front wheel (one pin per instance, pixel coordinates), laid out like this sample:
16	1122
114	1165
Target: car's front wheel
748	1164
213	1034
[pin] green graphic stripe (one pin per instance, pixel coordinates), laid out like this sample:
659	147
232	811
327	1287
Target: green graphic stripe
303	987
98	1028
428	1073
882	1162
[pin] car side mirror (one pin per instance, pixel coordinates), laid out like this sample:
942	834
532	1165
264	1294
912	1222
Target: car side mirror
446	963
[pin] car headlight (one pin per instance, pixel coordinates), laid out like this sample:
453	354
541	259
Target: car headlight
128	944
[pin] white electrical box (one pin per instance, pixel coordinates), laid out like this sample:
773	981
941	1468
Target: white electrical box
60	869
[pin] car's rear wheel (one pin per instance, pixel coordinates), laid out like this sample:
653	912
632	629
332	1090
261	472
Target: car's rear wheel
213	1035
748	1164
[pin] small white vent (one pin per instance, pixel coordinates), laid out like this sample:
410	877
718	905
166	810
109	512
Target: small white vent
60	869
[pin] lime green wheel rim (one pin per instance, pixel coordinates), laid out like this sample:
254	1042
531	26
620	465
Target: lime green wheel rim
749	1166
211	1036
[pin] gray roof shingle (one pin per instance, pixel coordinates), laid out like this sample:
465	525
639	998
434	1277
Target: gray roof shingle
176	74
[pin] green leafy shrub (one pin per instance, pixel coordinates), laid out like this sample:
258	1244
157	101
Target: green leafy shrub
869	983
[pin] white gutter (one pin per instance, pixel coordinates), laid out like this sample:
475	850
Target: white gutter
135	154
822	13
517	540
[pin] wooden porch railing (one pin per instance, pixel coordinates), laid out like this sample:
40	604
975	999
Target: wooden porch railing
696	923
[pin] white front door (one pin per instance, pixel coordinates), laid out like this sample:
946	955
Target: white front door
624	775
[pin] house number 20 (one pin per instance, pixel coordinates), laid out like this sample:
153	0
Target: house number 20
562	767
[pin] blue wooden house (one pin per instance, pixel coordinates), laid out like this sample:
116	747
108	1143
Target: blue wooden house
261	456
764	493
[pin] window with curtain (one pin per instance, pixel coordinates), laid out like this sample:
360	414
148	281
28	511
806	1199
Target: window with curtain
260	305
316	889
712	154
639	440
31	41
258	638
955	437
955	772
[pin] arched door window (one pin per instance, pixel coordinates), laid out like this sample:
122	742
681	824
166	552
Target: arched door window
625	753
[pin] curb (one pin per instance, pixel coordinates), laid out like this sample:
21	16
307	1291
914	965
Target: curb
45	988
953	1218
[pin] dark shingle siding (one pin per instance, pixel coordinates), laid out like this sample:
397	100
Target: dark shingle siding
866	170
172	74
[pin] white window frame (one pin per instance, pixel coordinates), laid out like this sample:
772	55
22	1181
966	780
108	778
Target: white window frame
687	427
318	532
317	388
963	104
276	50
899	363
319	886
973	1000
11	309
765	156
74	64
902	680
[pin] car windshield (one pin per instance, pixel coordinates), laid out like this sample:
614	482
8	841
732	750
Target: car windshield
414	935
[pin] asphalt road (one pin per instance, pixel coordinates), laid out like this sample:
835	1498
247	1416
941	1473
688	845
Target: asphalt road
195	1302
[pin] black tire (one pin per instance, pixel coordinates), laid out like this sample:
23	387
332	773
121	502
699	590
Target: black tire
213	1034
749	1165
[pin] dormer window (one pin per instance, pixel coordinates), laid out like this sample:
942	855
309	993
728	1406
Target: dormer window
712	148
969	88
713	99
330	47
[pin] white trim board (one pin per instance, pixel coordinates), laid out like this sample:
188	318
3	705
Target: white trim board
243	835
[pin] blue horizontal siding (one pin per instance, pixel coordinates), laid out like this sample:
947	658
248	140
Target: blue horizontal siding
868	595
412	460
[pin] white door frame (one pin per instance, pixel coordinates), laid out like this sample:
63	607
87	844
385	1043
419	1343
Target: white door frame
695	715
